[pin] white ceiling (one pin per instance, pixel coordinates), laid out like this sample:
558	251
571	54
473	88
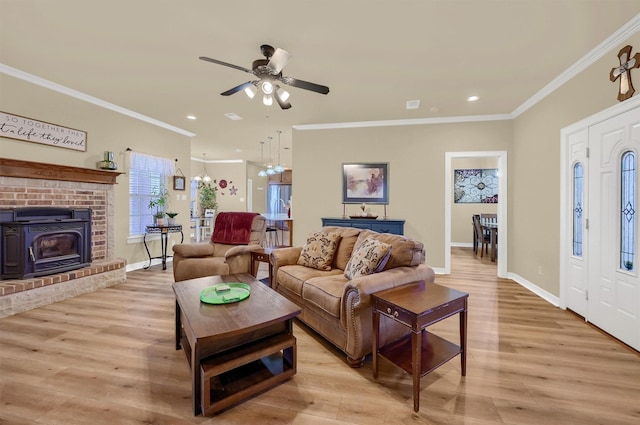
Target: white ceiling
374	55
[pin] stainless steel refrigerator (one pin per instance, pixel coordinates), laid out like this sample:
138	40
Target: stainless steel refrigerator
278	195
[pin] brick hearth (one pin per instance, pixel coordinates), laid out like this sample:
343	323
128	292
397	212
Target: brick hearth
29	184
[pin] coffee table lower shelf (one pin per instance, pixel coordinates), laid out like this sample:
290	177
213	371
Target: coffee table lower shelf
435	352
234	375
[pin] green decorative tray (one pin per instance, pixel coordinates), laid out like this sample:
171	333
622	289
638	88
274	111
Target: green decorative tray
225	293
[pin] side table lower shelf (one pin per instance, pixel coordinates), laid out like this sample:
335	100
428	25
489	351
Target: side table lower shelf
435	352
236	374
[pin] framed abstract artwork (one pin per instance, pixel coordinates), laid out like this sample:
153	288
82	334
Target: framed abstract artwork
365	182
476	186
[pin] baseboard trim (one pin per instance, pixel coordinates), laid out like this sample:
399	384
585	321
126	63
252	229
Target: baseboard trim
542	293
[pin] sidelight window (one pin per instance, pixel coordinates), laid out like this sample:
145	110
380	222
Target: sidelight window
627	210
577	209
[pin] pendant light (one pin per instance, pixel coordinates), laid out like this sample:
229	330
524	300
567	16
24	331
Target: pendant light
279	168
270	170
262	173
204	177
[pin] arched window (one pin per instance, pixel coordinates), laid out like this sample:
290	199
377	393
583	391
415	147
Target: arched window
577	209
627	210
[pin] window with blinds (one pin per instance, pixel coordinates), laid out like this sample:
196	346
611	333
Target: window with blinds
147	174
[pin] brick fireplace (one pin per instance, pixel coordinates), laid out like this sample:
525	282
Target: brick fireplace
32	184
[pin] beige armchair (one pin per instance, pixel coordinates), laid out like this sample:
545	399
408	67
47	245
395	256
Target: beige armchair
235	235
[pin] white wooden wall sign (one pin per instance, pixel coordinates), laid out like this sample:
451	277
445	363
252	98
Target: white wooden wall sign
30	130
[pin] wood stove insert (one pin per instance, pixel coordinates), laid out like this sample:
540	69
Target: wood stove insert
39	241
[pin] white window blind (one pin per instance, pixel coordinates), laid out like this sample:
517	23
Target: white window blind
147	174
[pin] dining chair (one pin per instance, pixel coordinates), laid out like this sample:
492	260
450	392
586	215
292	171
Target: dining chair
475	232
488	218
482	239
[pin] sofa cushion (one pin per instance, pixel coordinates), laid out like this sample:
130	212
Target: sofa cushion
405	252
367	258
348	238
325	293
293	277
318	252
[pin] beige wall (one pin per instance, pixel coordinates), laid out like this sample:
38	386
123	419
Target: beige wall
534	190
461	225
416	157
259	185
107	131
235	175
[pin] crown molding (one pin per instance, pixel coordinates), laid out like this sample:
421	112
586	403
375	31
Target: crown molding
626	31
623	33
415	121
13	72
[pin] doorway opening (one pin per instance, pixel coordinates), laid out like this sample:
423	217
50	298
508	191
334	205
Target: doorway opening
501	157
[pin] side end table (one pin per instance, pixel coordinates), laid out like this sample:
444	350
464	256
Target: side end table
261	256
418	306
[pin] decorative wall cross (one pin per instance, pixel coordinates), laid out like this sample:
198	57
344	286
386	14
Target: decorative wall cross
623	72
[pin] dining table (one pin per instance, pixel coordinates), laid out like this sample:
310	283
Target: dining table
492	228
282	219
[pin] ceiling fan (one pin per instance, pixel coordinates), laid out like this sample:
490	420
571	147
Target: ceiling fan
269	72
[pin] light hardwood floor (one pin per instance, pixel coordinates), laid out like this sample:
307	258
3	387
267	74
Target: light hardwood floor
109	358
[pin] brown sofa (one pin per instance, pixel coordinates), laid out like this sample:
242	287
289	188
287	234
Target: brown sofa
235	235
339	309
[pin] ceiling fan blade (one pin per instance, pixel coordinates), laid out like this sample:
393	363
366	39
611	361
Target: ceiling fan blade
236	89
279	60
239	68
301	84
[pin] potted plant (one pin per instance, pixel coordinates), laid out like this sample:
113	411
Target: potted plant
159	202
207	199
172	218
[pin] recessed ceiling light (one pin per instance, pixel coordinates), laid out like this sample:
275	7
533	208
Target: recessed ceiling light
236	150
192	117
473	98
232	116
413	104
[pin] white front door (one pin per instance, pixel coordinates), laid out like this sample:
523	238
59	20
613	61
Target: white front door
576	292
613	277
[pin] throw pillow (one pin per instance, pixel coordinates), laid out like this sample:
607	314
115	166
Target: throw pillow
318	252
368	258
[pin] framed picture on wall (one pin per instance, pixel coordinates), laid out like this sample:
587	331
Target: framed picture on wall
178	183
475	186
365	182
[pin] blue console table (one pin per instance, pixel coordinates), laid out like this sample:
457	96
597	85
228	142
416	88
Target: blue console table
377	225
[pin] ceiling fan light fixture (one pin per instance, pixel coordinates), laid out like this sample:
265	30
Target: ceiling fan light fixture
282	94
267	99
251	91
267	87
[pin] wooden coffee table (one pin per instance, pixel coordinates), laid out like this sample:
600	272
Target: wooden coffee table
234	350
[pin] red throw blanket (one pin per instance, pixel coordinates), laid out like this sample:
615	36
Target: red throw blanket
233	228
